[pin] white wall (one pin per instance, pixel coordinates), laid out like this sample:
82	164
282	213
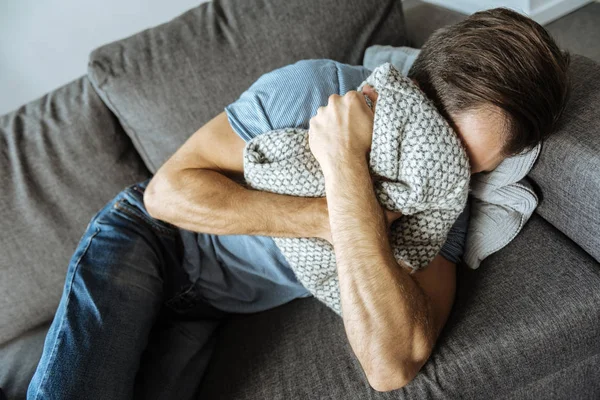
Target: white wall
542	11
45	43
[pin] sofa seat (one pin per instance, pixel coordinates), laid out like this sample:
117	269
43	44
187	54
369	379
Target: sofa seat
523	321
529	312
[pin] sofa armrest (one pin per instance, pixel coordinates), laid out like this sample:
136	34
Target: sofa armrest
568	168
62	158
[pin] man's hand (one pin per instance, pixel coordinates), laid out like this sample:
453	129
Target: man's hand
337	132
343	130
371	93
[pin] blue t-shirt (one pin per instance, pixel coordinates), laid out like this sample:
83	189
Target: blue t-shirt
248	273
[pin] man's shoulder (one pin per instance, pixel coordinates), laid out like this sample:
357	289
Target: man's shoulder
290	95
311	64
318	71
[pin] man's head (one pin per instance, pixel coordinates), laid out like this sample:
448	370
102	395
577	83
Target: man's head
499	79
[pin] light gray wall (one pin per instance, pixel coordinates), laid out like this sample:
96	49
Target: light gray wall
45	43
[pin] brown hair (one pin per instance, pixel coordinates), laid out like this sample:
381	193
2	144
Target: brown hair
502	58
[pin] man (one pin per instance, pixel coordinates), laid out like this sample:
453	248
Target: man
194	242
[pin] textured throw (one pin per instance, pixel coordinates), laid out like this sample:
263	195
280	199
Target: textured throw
419	168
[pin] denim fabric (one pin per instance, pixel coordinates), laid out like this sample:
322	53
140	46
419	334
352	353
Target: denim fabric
124	277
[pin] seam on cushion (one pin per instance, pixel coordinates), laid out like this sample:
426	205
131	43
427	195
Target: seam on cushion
98	65
567	236
105	98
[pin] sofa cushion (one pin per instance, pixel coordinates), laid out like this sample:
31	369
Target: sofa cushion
527	316
166	82
62	157
523	325
19	359
423	19
568	167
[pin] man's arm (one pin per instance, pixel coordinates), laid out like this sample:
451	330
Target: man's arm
200	188
392	319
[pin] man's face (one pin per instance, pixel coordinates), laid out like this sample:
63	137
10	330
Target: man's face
480	132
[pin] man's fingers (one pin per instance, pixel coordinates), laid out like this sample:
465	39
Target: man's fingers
333	97
370	92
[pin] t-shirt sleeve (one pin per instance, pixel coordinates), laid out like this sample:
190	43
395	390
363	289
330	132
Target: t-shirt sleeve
454	247
288	97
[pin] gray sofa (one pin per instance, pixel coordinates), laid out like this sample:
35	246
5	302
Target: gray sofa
525	325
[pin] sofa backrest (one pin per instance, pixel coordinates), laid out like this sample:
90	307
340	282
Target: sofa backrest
65	155
166	82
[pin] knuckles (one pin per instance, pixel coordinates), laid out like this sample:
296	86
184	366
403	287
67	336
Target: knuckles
332	97
353	94
350	95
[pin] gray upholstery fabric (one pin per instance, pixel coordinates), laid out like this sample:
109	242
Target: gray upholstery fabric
19	359
62	158
579	31
423	19
568	168
168	81
524	325
523	319
577	381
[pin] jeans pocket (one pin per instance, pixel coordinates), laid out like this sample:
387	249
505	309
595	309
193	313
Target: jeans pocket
183	300
133	211
190	304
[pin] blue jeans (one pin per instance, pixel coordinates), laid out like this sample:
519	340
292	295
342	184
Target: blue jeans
130	323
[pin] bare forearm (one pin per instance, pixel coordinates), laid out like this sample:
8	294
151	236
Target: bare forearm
386	314
207	201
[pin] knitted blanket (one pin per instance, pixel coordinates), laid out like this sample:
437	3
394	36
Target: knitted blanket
418	165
